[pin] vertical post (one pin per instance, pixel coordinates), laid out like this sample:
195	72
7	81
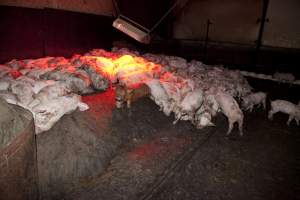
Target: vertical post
262	21
206	37
43	31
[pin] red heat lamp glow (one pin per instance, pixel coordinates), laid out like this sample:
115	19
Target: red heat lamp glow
125	67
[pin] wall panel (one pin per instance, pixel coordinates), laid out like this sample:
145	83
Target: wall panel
283	28
34	33
99	7
232	20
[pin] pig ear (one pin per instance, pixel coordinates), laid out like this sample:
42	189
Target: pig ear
211	124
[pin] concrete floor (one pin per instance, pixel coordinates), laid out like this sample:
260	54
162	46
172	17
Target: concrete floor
262	165
138	154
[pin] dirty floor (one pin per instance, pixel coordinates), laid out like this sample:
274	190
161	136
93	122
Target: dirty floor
138	154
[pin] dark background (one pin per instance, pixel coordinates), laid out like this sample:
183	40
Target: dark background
232	38
33	33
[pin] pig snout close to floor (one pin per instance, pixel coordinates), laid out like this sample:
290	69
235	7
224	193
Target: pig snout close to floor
231	110
286	107
202	119
251	100
189	105
128	95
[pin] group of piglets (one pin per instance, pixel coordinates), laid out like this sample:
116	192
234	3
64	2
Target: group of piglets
49	87
197	92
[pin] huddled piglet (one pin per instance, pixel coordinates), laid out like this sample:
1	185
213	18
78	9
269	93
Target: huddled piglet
284	77
99	82
4	85
47	113
189	105
23	90
159	96
50	92
9	97
202	119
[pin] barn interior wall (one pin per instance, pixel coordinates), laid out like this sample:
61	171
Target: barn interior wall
102	7
231	37
282	29
235	21
33	33
230	21
219	31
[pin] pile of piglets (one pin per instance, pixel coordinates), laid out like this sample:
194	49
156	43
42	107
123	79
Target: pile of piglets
51	87
194	91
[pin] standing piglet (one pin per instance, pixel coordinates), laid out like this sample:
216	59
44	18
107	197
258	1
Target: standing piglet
231	110
128	95
258	98
286	107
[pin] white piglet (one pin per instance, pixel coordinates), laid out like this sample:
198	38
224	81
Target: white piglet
258	98
231	110
288	77
49	92
189	105
286	107
47	113
159	96
202	119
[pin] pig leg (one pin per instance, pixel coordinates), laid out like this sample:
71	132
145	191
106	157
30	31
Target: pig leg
160	106
177	117
297	121
271	113
251	108
128	103
129	94
230	127
289	120
240	122
264	104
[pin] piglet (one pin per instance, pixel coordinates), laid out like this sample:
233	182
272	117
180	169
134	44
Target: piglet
258	98
284	77
189	105
202	119
9	97
129	95
23	91
159	95
231	110
47	113
286	107
49	92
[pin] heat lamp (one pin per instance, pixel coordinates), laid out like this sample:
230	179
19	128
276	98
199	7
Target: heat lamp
133	29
